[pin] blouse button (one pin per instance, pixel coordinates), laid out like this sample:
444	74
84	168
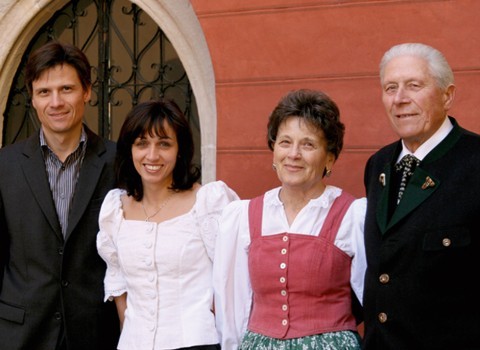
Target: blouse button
285	238
151	277
283	292
284	307
148	244
282	279
284	322
446	242
284	251
148	261
283	266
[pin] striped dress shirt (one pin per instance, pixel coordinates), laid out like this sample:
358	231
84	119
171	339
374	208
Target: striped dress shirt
63	176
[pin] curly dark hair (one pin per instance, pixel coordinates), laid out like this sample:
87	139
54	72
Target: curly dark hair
317	109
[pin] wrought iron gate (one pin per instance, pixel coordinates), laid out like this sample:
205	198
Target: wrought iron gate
132	61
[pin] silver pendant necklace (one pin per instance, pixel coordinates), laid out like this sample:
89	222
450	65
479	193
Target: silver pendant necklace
148	217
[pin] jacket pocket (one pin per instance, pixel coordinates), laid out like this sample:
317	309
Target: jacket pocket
12	313
448	238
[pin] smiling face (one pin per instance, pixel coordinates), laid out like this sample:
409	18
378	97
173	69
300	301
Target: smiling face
59	100
154	157
300	155
415	104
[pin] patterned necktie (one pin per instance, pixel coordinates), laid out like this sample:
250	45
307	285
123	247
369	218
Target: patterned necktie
407	166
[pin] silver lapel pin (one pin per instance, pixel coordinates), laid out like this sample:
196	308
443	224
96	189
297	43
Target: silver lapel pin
382	180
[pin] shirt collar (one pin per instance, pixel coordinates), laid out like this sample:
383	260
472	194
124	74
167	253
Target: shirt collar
79	150
431	143
43	141
272	197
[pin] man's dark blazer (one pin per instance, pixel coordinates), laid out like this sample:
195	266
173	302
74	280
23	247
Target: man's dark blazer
48	282
424	261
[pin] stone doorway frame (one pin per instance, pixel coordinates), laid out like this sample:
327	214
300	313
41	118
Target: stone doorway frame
21	19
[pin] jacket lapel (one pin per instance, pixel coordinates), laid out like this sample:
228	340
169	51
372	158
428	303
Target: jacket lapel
384	180
36	176
88	179
415	193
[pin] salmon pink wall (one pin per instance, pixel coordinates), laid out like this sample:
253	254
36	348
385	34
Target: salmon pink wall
262	49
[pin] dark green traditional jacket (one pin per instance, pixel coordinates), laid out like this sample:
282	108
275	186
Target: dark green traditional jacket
424	259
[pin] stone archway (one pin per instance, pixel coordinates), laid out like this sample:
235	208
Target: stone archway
20	19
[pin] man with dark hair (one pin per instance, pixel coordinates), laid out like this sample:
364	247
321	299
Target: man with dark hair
51	189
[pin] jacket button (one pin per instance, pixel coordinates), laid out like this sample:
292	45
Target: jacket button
384	278
382	317
65	283
58	316
446	242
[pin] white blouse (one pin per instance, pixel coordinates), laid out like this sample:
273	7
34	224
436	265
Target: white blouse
166	270
233	294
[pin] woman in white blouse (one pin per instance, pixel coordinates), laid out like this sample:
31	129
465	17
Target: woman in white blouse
288	264
157	234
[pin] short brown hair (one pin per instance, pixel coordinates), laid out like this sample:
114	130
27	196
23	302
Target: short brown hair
55	53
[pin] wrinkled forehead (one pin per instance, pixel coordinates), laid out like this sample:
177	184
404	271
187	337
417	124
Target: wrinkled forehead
406	67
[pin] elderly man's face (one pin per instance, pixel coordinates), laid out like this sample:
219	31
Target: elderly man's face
415	104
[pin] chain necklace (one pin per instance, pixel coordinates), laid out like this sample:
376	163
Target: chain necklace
148	217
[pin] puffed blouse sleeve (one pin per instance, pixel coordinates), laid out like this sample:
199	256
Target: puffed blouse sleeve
231	279
110	218
350	239
211	200
359	260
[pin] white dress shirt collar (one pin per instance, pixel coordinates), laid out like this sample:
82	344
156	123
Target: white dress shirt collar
431	143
